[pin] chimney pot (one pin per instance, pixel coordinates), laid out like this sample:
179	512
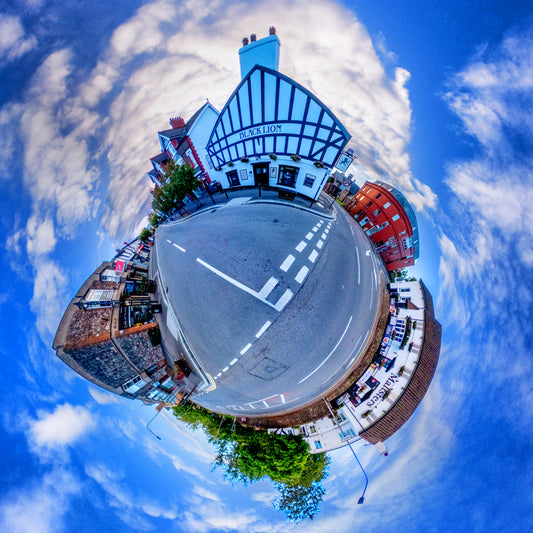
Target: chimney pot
245	41
253	38
272	30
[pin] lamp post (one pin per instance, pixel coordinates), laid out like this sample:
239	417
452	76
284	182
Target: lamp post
362	498
156	436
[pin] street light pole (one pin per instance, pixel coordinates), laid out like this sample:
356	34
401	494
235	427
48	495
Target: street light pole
362	498
156	436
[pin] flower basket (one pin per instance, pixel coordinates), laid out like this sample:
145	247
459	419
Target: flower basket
273	156
295	157
218	169
230	163
244	160
319	164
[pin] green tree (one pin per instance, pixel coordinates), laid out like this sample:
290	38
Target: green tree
247	455
145	235
299	502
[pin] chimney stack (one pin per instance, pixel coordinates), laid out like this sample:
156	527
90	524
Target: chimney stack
177	122
272	30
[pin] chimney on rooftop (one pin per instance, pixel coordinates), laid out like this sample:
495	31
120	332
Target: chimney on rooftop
177	122
253	38
272	30
245	41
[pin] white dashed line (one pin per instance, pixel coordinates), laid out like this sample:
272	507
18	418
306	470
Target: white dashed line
323	236
266	404
358	267
301	246
301	275
219	374
179	248
246	348
267	288
309	236
233	361
351	229
330	353
315	229
169	241
313	255
284	300
282	398
287	263
225	369
265	326
319	244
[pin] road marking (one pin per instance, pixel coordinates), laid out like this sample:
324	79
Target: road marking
266	404
233	361
282	398
250	405
313	255
301	275
309	236
319	244
267	288
169	241
315	229
265	326
287	263
371	298
330	353
179	248
246	348
301	246
219	374
326	231
351	229
323	236
358	267
225	369
284	300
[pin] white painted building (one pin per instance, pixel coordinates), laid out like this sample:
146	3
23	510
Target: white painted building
272	131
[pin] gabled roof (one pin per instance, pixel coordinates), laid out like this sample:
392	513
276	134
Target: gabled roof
270	113
160	158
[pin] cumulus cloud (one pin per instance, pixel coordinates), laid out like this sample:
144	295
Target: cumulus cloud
13	40
63	427
41	506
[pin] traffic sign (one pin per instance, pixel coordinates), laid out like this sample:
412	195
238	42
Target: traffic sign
346	182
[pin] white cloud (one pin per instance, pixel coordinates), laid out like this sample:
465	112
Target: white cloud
63	427
13	40
40	235
102	397
39	507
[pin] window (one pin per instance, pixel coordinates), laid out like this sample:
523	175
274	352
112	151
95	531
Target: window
309	180
287	176
133	385
395	217
233	178
312	429
378	195
318	444
376	212
369	204
364	221
402	233
386	205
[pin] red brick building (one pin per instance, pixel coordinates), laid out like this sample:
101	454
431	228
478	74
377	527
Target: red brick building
389	221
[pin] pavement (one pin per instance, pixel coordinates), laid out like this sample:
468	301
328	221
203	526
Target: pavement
275	299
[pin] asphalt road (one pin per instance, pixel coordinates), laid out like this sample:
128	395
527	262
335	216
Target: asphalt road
277	303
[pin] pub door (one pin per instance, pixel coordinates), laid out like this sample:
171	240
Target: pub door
261	174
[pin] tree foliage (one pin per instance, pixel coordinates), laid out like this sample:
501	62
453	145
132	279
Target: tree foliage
177	181
299	502
247	455
145	235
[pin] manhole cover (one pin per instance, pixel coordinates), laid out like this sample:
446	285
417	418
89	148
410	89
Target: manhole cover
268	369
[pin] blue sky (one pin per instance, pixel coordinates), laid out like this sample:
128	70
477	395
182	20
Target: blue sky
438	100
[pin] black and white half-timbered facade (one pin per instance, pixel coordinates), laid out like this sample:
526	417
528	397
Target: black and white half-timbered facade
274	132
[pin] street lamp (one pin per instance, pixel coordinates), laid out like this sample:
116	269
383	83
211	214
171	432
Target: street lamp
362	498
156	436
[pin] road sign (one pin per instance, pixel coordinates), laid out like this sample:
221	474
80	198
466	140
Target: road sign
346	182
